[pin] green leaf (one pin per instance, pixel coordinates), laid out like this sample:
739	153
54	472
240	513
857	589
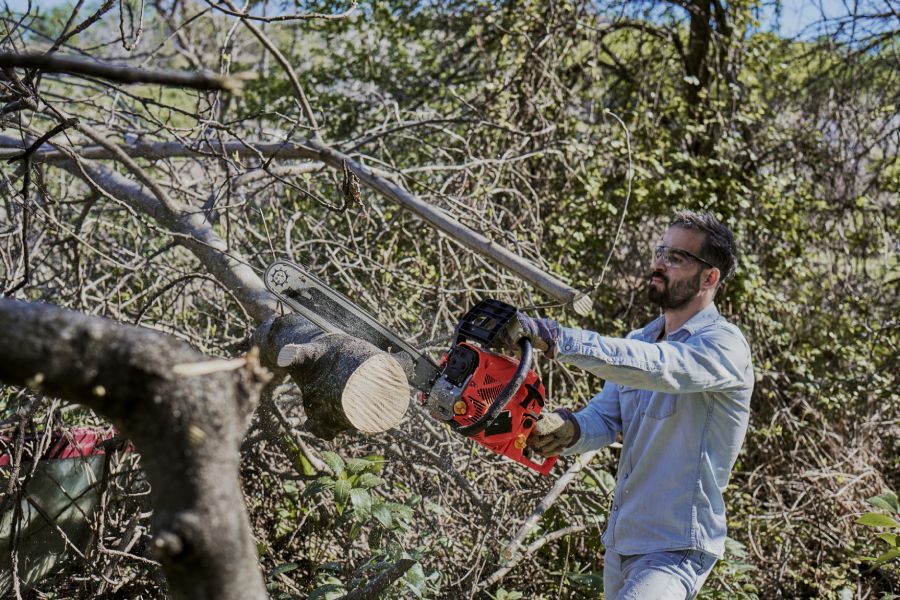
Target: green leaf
889	538
285	568
887	501
362	503
888	556
400	511
358	465
383	514
592	580
306	467
355	530
342	492
327	592
318	486
369	480
877	520
376	462
334	462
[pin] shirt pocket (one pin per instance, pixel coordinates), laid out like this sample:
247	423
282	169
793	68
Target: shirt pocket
629	398
658	406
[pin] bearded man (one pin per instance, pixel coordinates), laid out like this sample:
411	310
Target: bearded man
678	391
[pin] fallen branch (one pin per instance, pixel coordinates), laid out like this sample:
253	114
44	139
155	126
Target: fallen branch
346	382
187	428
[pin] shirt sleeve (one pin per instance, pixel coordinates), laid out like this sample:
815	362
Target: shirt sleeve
600	421
716	359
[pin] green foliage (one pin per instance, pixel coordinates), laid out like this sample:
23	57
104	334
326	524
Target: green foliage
733	576
886	518
380	522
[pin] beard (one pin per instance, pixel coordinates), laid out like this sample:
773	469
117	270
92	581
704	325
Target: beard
676	296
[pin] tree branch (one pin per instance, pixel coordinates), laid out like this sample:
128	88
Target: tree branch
74	66
187	428
319	151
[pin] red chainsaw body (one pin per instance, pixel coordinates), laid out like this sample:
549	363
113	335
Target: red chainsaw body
507	433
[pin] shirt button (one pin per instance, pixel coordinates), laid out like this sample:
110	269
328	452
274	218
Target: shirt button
616	507
568	346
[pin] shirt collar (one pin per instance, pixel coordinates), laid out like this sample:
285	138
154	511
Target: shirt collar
700	320
691	326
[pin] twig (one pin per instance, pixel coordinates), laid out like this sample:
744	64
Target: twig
531	549
509	552
119	74
380	583
282	18
26	154
298	89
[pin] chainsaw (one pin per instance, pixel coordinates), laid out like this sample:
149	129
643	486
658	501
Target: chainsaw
493	399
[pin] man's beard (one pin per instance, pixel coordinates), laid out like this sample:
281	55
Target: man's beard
676	296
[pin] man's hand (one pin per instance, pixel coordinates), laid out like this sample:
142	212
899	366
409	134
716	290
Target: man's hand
554	433
542	333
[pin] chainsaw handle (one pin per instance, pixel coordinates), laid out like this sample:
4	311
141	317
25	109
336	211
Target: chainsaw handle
508	391
541	467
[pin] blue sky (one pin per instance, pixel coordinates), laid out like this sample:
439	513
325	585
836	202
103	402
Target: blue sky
797	16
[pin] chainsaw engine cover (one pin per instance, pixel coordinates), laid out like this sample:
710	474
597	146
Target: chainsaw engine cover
471	379
485	382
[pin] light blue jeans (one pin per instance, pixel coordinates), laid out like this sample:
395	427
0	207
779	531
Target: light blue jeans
675	575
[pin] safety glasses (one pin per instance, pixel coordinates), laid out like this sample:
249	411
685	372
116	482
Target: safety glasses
676	257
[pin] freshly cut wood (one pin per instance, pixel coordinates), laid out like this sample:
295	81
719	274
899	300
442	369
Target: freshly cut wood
376	395
347	383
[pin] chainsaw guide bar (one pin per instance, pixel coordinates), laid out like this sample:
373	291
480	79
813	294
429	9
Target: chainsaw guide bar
333	312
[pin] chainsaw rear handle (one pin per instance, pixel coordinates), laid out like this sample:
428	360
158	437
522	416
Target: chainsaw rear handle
509	390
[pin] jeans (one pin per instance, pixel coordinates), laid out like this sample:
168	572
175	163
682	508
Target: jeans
675	575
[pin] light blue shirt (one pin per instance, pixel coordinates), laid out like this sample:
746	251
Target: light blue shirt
682	405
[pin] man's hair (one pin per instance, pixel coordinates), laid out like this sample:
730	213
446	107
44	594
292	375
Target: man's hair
718	244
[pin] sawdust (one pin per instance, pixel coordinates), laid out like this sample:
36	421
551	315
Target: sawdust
376	395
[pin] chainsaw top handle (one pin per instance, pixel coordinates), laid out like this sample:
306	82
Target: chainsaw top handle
508	391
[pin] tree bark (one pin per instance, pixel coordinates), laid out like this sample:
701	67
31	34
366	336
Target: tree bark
187	427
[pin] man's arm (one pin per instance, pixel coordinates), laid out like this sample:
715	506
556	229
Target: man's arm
716	359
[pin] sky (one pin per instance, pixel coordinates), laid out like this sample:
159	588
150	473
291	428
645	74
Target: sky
797	16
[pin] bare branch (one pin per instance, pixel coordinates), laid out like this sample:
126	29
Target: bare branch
282	18
74	66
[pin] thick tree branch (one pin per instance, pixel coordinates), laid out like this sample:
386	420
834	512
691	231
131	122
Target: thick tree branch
188	429
346	382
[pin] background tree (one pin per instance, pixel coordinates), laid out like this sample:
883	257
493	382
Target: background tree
565	132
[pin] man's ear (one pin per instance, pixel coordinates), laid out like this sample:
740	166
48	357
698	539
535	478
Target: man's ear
712	277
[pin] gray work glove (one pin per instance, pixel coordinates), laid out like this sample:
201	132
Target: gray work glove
542	333
554	432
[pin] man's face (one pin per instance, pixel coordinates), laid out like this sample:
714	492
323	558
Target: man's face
673	286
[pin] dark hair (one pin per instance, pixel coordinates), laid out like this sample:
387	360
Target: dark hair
718	245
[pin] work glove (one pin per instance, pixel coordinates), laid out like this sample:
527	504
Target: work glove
542	333
554	432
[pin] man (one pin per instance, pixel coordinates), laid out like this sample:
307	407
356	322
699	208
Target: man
678	390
